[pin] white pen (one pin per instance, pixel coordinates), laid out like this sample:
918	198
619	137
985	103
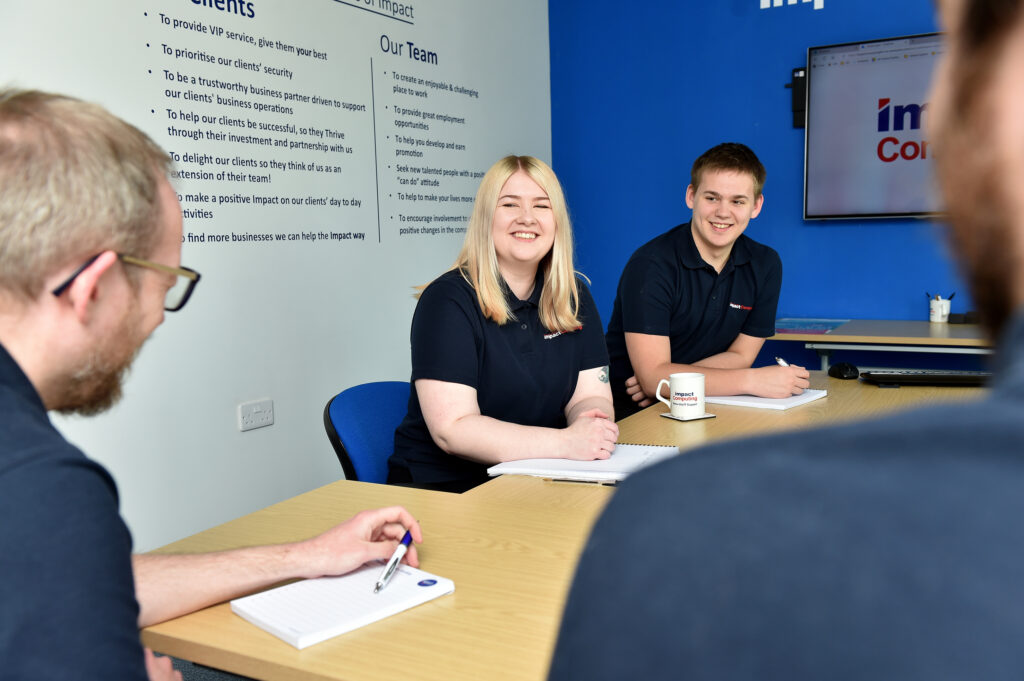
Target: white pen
392	566
781	362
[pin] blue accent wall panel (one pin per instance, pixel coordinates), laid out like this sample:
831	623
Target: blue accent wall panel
639	90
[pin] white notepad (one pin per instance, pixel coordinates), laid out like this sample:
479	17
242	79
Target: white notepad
806	396
314	610
625	459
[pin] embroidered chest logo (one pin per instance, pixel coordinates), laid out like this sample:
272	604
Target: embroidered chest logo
737	306
556	334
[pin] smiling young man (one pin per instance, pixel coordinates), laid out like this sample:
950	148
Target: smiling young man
702	296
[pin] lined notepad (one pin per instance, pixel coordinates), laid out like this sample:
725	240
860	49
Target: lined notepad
625	459
806	396
314	610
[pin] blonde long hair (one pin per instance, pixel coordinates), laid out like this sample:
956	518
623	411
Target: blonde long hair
478	263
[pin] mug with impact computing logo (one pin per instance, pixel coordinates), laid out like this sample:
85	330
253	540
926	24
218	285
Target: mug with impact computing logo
686	392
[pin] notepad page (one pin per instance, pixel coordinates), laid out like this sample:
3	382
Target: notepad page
625	459
313	610
806	396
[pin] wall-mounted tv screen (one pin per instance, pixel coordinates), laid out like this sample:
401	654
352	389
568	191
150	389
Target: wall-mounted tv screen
866	151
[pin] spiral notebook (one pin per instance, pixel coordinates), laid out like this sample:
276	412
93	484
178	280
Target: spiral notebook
808	395
625	459
314	610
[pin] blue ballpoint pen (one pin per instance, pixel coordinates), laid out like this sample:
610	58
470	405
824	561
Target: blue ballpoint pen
392	566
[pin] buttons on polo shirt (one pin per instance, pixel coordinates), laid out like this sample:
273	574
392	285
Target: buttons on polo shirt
524	327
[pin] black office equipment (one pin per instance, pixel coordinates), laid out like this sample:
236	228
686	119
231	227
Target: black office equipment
843	370
969	317
926	377
799	99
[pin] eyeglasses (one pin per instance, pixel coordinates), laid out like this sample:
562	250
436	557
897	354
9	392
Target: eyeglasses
177	295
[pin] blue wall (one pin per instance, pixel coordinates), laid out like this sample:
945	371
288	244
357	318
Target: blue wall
639	90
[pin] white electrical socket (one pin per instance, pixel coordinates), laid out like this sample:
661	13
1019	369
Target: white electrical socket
255	414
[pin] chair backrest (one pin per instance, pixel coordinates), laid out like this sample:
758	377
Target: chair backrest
360	424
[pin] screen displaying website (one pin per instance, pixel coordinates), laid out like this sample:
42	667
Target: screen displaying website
867	149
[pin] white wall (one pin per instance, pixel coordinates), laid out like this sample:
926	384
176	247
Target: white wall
295	321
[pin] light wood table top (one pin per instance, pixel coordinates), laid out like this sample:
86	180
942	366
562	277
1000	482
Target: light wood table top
896	331
848	400
510	546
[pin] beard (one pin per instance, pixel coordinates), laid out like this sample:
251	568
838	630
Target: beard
980	212
96	385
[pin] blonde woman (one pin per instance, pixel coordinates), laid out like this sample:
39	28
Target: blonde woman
508	353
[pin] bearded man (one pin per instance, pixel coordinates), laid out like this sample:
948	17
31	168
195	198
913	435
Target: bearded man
90	250
889	549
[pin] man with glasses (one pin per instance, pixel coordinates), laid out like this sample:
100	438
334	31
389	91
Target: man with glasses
90	244
185	279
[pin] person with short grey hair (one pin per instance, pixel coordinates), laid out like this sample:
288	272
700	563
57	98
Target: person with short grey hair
90	251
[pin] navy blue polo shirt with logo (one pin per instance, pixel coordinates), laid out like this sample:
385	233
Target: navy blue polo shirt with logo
522	373
667	289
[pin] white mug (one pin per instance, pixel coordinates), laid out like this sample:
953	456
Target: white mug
938	309
686	395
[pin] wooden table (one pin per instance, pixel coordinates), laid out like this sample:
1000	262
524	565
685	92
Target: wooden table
892	335
510	545
847	400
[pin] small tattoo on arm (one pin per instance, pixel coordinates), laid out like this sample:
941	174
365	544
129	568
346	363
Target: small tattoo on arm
603	376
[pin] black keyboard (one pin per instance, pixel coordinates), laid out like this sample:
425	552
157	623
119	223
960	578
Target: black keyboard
927	377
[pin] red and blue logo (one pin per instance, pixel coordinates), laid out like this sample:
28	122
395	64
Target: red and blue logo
899	118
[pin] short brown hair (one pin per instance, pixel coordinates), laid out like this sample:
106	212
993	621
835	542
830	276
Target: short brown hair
729	156
979	234
74	180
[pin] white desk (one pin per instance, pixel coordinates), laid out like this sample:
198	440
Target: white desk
891	335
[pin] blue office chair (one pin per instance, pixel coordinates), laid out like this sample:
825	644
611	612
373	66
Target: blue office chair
361	422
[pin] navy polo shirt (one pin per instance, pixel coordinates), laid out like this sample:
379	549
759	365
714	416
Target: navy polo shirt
67	596
522	373
885	549
667	289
